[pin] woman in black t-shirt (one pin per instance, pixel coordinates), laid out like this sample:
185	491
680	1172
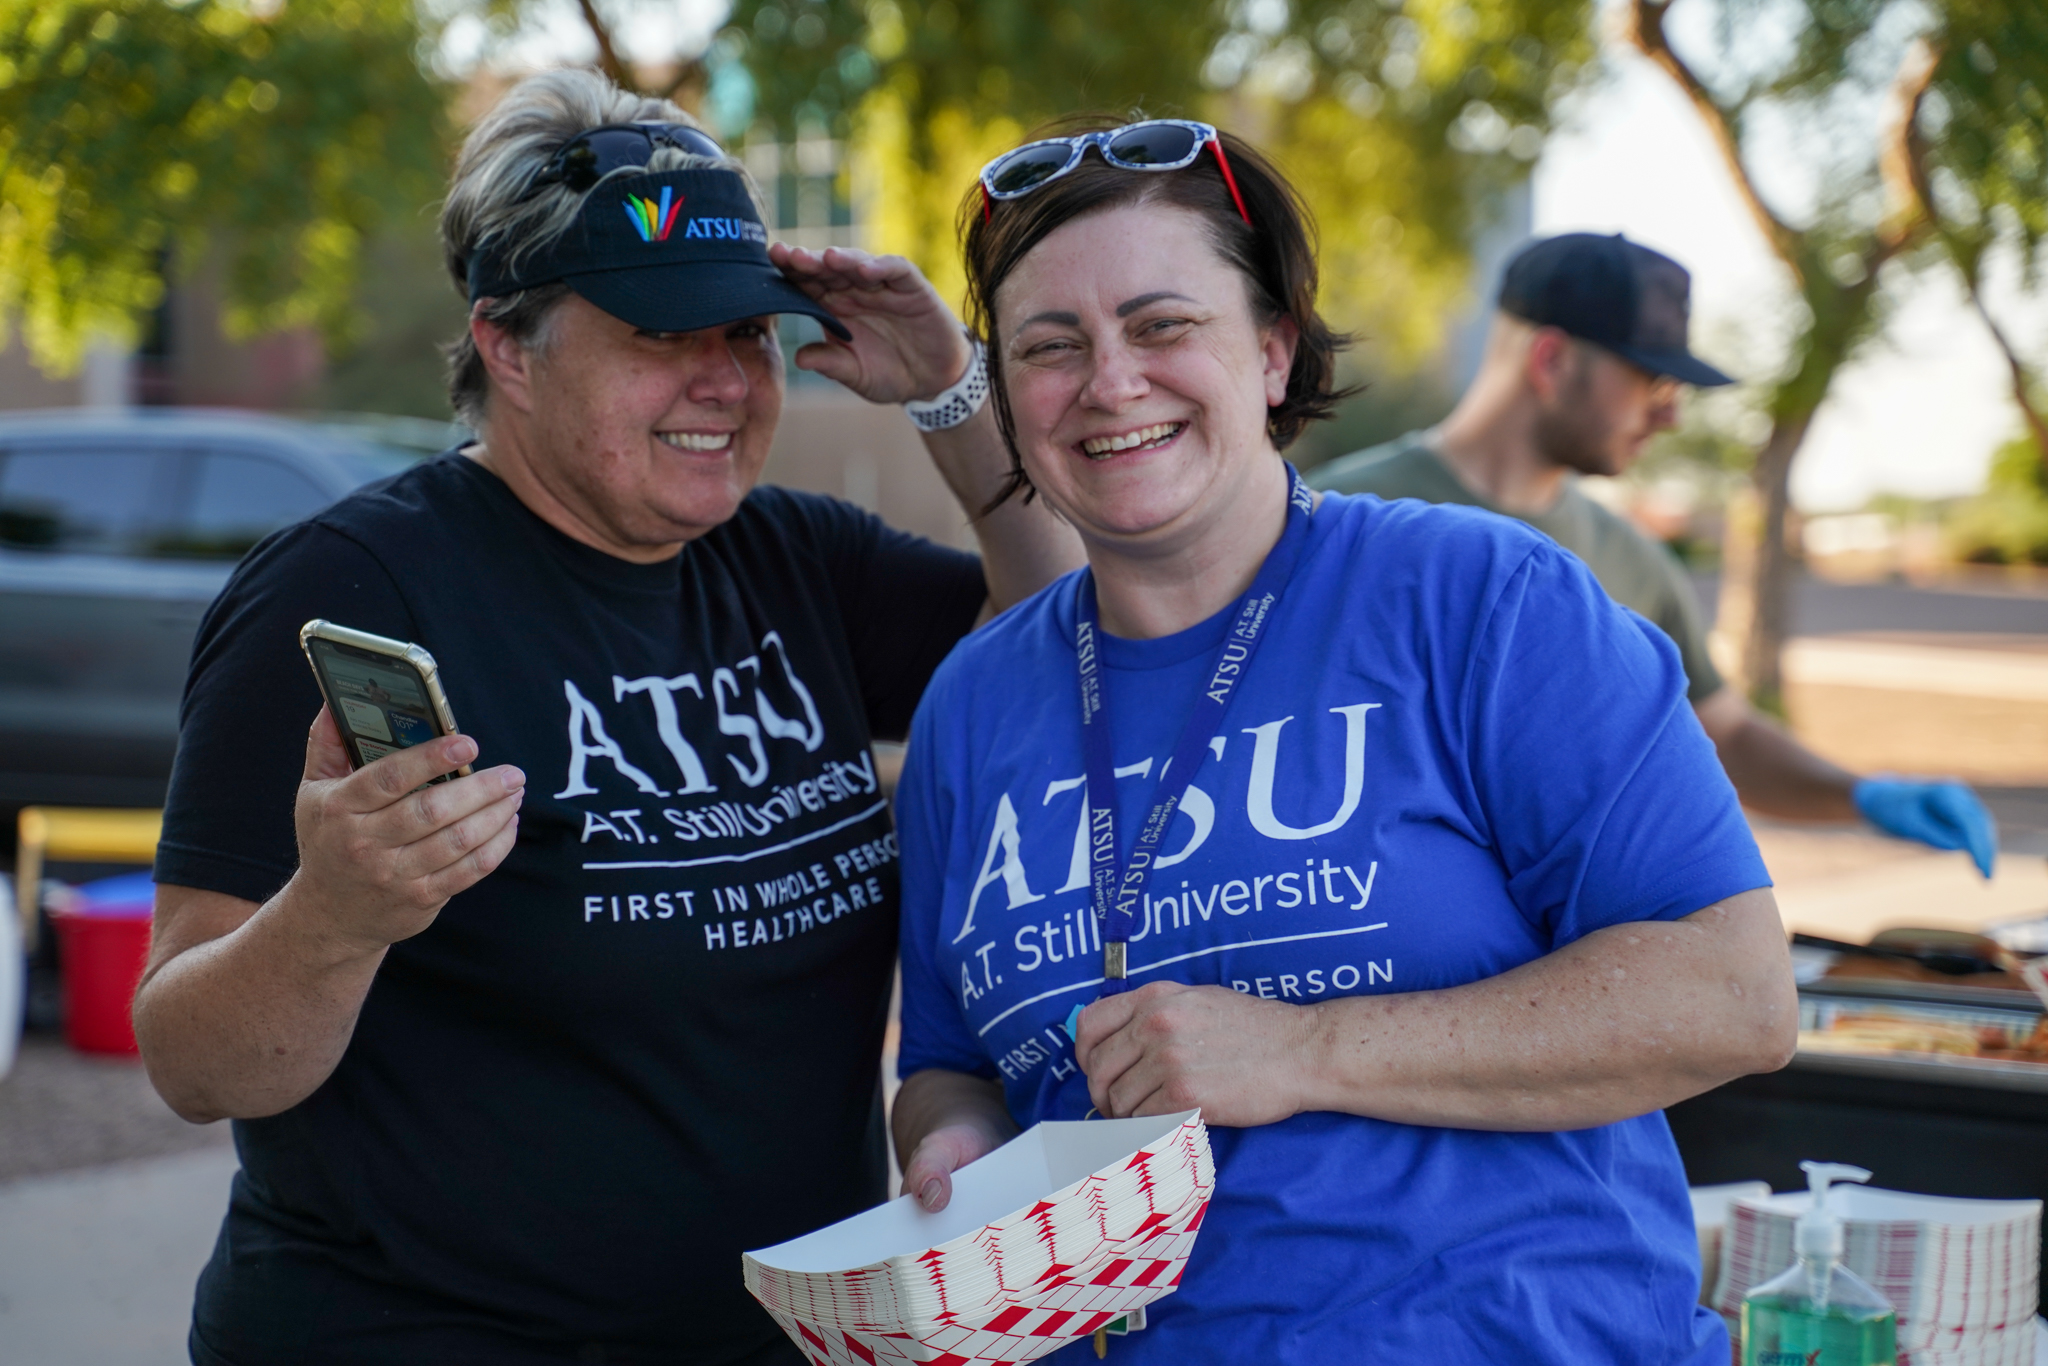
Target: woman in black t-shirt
519	1067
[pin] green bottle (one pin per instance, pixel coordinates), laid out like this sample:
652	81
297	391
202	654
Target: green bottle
1819	1313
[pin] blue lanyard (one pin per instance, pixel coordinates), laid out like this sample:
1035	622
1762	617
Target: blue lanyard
1119	888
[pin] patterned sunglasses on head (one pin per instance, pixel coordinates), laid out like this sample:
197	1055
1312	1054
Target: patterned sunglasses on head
1154	145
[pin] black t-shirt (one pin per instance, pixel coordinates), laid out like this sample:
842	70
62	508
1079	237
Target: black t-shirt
650	1040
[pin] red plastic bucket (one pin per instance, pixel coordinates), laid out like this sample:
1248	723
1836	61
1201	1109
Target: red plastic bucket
103	944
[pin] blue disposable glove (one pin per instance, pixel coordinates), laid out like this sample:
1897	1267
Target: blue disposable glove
1945	815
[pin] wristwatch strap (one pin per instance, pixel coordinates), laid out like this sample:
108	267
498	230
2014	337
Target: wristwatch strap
958	403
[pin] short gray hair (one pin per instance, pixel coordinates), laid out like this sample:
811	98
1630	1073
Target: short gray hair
487	204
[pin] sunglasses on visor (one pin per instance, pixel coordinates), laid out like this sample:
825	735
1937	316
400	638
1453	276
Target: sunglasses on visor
1154	145
595	153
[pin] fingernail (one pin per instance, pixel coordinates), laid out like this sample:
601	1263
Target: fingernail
462	749
512	778
929	1196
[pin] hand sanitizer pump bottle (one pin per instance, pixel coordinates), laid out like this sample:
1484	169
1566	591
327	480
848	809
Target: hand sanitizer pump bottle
1819	1313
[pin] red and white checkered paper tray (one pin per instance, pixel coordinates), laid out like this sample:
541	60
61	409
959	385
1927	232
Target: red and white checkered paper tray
1055	1234
1964	1275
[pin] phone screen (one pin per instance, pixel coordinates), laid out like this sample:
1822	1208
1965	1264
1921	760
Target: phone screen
380	703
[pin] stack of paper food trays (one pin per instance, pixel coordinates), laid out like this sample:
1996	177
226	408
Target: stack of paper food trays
1049	1238
1964	1275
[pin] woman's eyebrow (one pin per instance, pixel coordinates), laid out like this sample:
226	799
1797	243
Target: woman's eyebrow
1130	306
1062	319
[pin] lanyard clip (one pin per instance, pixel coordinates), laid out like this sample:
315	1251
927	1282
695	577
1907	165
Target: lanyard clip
1113	960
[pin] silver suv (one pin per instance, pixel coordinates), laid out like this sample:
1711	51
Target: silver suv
117	529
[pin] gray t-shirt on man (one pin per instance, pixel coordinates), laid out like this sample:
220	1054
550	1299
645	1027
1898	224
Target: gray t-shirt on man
1637	572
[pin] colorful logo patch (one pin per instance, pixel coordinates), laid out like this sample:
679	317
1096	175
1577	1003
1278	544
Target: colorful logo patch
651	220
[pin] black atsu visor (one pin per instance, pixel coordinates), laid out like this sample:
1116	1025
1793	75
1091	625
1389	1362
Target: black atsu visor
673	251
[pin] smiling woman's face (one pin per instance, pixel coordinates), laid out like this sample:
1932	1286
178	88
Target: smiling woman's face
653	438
1138	376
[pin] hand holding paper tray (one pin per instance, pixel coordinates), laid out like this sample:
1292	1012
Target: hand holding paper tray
1048	1238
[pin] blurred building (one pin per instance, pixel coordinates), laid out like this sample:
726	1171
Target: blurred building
1503	231
185	359
831	441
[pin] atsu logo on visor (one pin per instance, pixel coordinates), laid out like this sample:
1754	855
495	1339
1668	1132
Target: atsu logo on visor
653	221
672	271
727	230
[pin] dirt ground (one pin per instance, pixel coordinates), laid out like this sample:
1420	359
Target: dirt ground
1995	740
62	1109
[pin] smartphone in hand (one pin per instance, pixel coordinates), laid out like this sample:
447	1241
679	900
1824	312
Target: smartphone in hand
385	695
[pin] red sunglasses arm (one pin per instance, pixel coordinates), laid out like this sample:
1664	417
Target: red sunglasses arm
1223	163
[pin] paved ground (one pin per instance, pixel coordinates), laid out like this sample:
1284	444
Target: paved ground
1950	680
108	1208
1984	604
97	1265
2022	817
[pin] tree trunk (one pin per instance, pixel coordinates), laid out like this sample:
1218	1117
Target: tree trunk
2024	395
1841	315
607	55
1770	569
1736	606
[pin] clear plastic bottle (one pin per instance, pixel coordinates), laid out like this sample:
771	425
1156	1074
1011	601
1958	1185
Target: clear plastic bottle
1819	1313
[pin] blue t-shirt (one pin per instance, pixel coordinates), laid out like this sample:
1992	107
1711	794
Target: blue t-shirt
1452	755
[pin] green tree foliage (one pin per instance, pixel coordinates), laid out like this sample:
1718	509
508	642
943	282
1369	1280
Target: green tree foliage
2008	522
1400	119
140	135
1979	160
1922	126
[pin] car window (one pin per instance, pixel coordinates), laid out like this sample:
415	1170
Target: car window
95	501
370	461
237	500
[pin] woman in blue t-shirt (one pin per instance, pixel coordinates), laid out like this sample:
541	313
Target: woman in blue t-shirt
1424	882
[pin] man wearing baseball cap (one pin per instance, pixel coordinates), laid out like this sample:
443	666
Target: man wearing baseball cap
521	1062
1585	363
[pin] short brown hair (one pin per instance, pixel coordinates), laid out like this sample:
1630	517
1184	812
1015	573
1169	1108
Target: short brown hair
1276	252
489	202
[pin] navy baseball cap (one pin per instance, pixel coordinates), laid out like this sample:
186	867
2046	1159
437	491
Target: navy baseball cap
1614	293
670	251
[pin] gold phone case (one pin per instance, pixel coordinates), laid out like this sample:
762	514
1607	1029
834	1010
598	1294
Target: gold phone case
415	658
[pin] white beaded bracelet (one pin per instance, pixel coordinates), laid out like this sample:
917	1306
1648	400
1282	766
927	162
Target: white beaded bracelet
958	403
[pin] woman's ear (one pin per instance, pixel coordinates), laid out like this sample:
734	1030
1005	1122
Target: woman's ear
1279	343
506	359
